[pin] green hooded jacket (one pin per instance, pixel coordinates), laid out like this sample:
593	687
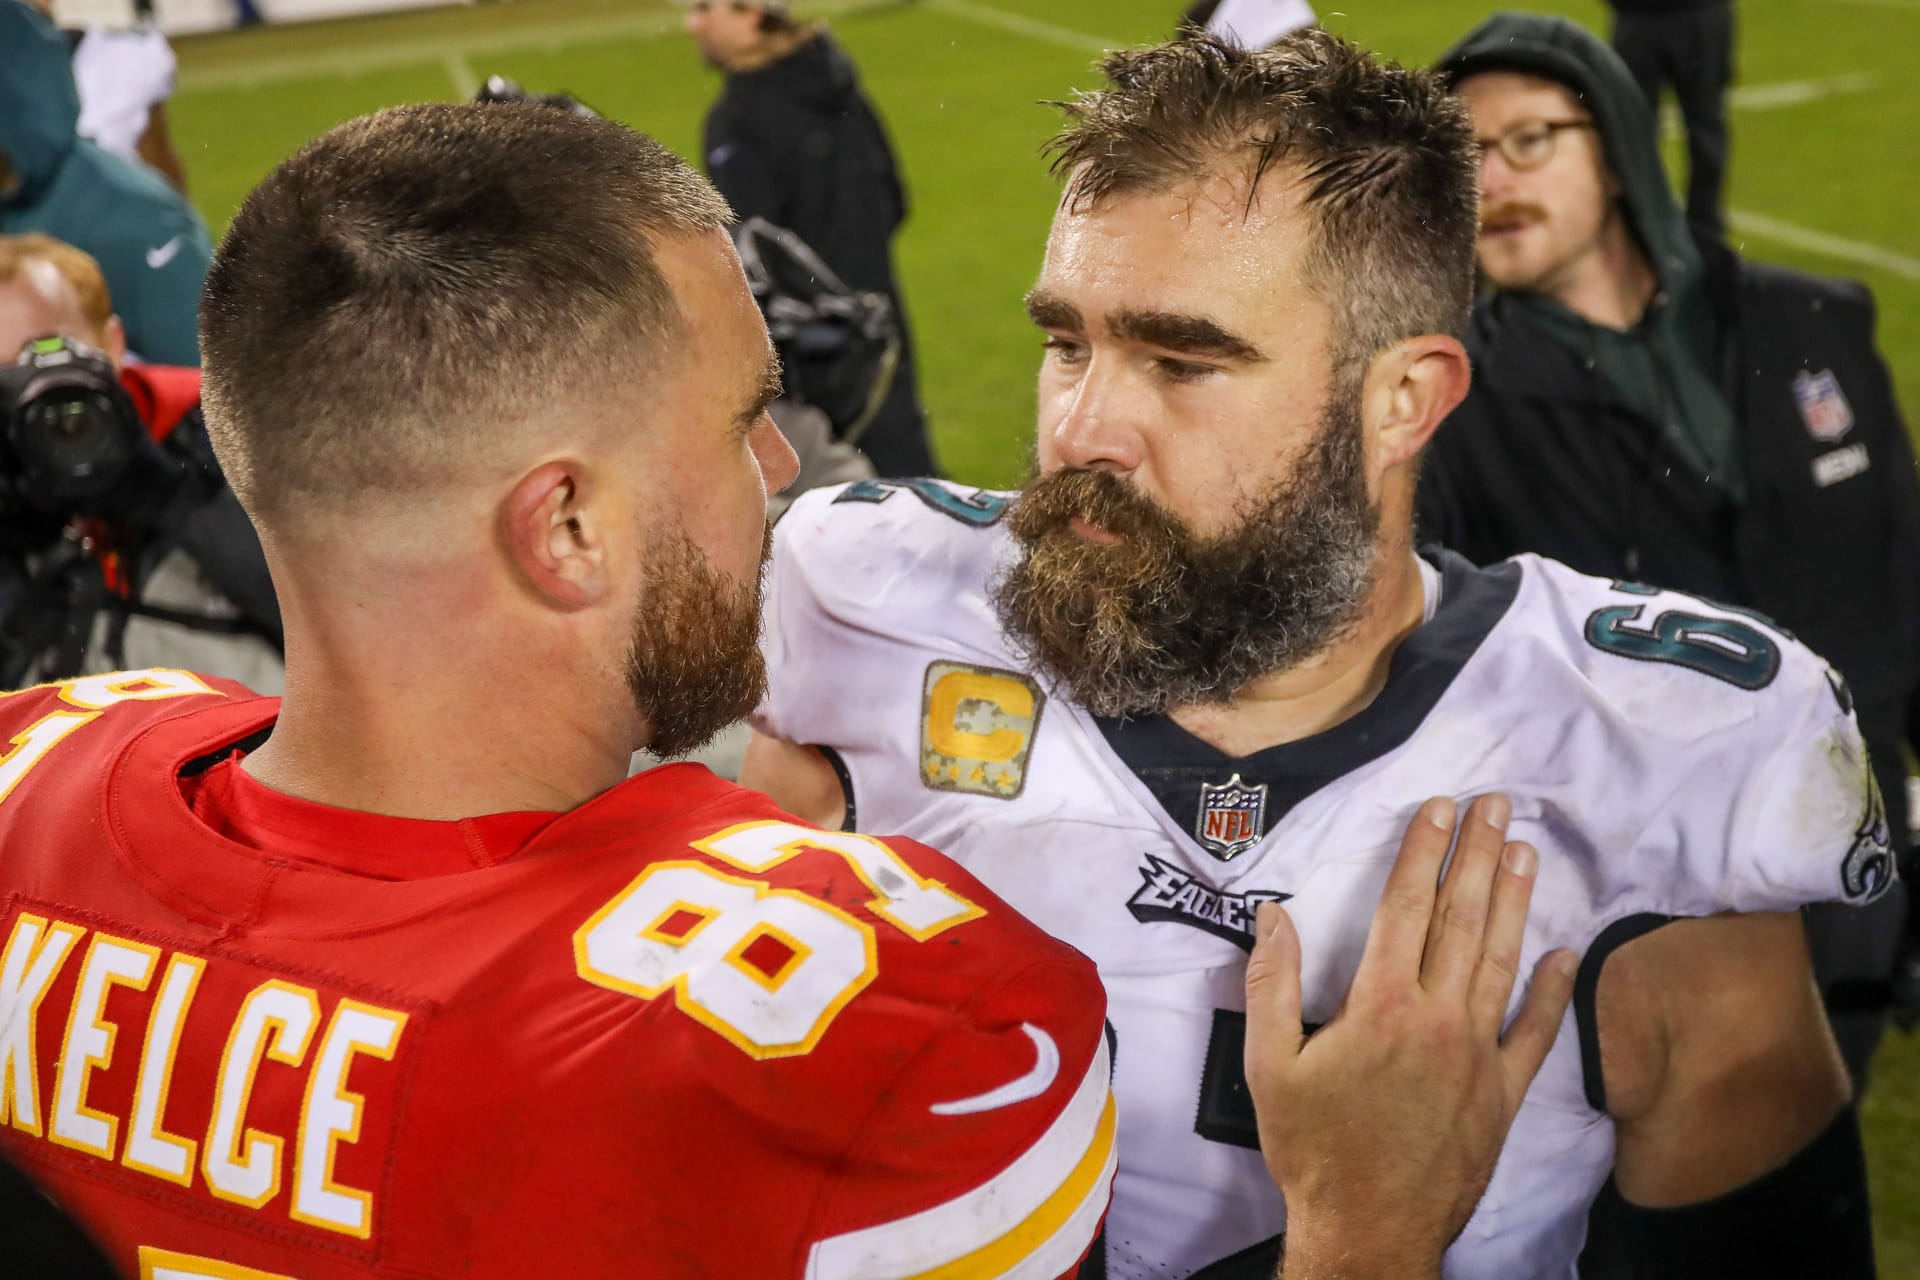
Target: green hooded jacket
149	242
1667	363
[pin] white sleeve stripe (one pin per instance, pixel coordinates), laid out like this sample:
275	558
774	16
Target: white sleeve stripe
951	1232
1063	1252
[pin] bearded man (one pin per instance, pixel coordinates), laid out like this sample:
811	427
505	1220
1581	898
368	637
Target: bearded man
1197	667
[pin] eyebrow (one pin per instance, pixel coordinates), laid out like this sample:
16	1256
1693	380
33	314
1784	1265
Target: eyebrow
1189	335
1051	311
768	389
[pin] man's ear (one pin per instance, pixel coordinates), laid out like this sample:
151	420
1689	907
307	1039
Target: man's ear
555	535
1409	390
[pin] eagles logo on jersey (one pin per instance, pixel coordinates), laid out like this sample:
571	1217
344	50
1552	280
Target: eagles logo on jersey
1666	756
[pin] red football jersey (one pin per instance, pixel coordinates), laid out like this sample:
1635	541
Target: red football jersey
671	1033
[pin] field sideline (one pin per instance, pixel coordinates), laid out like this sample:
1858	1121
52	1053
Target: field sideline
1827	108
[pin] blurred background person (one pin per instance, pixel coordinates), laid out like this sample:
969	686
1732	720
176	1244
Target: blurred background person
124	76
792	139
121	545
1251	24
1653	407
1688	45
150	243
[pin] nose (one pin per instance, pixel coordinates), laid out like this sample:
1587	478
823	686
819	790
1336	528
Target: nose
779	464
1096	423
1496	175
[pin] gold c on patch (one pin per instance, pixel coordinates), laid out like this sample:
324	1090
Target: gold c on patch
976	729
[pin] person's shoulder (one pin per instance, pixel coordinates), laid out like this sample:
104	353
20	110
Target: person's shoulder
888	544
136	697
857	954
1724	745
1679	667
77	726
1783	288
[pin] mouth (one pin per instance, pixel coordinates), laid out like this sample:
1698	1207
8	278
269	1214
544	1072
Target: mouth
1505	226
1092	532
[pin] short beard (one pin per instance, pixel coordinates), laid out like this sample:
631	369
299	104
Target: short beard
695	665
1165	618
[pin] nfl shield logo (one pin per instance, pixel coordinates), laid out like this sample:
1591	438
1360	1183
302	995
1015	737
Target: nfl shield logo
1822	406
1233	817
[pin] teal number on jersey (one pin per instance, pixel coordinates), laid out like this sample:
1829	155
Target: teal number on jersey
1739	654
977	508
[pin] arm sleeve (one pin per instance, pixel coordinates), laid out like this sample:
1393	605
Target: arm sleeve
993	1153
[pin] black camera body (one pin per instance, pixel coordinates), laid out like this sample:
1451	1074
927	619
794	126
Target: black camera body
71	440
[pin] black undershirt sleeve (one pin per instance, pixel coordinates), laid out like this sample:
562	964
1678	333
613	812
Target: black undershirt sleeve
1807	1218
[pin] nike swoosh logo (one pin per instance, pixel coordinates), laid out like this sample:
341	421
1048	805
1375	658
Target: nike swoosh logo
160	257
1030	1085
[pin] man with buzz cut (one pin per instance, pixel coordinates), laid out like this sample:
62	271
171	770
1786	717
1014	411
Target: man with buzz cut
1197	667
401	975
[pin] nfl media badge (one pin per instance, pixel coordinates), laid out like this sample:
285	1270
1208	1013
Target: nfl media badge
1232	818
1823	406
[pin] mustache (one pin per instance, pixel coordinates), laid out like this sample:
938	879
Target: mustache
1050	502
1512	211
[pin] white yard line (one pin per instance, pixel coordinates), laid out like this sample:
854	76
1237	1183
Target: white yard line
460	71
1855	251
1032	28
550	37
1792	93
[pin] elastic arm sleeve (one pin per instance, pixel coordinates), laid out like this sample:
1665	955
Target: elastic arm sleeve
1807	1218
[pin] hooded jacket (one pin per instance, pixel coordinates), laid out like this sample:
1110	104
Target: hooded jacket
1813	515
150	244
796	142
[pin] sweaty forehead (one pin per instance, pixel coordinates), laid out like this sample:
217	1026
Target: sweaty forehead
1198	249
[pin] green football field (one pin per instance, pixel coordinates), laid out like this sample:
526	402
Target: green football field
1826	177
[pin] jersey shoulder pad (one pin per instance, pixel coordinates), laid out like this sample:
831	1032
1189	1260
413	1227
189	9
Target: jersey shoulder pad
1736	742
154	692
876	541
1672	664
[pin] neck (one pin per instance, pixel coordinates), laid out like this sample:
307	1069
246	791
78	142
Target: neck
1332	686
458	721
1612	284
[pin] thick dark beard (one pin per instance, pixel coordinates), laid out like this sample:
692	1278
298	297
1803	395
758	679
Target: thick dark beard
1164	618
695	665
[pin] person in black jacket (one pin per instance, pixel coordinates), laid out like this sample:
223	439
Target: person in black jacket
1653	408
1687	44
792	139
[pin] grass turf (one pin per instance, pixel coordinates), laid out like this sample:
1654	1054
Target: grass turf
961	84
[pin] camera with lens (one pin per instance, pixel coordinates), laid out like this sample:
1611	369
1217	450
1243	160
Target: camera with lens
71	440
67	428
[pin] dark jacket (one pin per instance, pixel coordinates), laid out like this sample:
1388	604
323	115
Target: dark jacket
797	143
1823	536
150	244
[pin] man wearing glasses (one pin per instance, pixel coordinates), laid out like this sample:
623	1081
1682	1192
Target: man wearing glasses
1651	407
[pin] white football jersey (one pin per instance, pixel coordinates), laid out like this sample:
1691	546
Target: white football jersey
1667	757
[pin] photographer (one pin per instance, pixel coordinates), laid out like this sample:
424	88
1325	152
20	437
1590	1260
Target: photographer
120	544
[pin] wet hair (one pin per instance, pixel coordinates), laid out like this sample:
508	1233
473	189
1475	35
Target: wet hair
1385	156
